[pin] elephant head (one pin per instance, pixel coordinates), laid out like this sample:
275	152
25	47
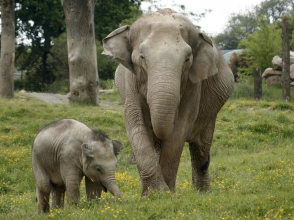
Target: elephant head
99	163
164	51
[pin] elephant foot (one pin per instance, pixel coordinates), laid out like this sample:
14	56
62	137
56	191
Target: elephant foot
202	186
156	183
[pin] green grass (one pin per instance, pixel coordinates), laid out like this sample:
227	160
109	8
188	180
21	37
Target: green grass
269	93
252	166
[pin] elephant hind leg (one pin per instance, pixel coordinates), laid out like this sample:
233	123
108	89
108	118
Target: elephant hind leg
200	158
44	187
57	195
200	162
43	201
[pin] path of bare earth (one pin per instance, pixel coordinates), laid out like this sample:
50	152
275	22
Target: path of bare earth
60	99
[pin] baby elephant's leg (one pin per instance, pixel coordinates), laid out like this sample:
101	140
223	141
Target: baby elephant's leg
43	201
57	195
93	190
72	184
43	189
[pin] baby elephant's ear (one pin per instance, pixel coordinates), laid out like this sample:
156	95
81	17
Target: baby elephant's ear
117	146
87	151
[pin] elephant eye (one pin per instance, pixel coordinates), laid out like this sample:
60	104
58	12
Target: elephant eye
98	169
187	60
142	57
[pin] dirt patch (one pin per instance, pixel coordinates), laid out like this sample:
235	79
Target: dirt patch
60	99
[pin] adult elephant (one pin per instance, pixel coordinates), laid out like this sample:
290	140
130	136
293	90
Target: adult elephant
173	81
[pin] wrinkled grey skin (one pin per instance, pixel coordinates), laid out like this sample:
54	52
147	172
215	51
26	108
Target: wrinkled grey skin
65	151
173	81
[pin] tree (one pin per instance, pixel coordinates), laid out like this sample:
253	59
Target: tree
58	64
274	10
227	40
37	23
82	57
262	45
7	49
154	5
238	27
242	24
111	14
58	58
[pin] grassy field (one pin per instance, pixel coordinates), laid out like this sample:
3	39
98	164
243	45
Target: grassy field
252	166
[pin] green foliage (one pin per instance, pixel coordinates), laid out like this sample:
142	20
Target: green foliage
58	57
58	63
262	45
107	84
226	40
106	64
60	86
194	17
42	47
111	97
274	10
111	14
245	90
251	167
291	28
241	24
37	22
238	27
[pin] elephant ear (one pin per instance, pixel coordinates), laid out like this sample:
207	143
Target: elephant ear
117	45
117	147
204	62
87	155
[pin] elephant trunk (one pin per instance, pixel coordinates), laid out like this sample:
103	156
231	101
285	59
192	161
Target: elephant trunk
163	98
111	185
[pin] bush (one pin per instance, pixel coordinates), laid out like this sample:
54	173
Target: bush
262	45
61	86
106	84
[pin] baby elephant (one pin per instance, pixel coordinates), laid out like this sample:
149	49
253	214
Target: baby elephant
65	151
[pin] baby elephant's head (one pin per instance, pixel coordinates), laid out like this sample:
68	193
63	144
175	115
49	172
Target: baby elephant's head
99	162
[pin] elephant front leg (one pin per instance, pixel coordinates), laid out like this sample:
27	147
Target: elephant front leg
200	158
72	184
93	190
147	160
170	158
139	132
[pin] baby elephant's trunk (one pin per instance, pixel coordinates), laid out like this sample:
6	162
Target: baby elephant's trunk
112	187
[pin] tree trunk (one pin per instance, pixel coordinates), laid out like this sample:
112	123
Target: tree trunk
46	79
7	48
82	54
257	83
286	60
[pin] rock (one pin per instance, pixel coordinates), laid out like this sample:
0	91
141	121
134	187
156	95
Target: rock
292	84
277	63
270	72
292	71
272	80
